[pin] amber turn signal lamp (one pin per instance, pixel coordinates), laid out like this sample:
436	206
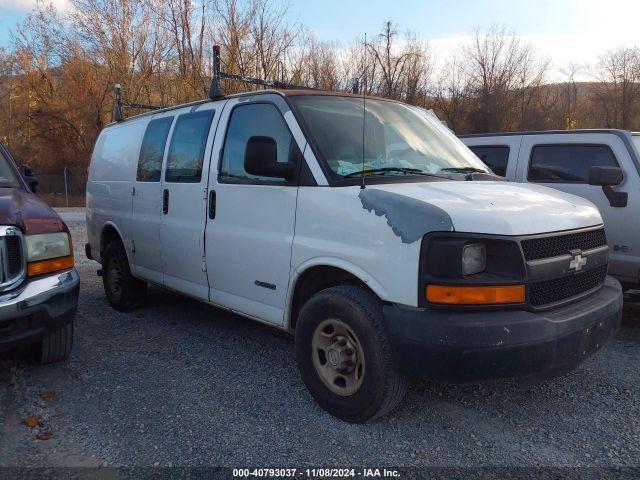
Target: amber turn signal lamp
47	266
494	295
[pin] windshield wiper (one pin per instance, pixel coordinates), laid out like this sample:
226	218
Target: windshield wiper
464	170
374	171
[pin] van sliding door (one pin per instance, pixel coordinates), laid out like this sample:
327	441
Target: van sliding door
184	201
146	201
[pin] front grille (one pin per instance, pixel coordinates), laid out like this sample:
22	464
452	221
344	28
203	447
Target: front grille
537	248
12	265
13	252
550	291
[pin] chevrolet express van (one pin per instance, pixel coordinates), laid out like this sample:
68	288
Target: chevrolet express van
574	161
379	240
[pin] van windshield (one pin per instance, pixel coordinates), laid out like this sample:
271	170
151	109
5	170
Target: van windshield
7	175
398	139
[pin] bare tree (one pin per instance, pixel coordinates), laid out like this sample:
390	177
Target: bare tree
186	25
501	69
418	72
618	91
315	64
452	93
272	37
233	34
568	101
6	95
56	80
392	62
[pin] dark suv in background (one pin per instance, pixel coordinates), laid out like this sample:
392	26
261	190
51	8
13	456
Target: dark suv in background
39	285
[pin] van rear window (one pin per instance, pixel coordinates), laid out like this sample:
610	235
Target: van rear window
152	150
188	142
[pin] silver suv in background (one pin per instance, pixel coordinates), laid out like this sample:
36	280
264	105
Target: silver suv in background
602	166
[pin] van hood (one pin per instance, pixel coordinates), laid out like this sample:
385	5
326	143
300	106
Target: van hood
25	210
498	208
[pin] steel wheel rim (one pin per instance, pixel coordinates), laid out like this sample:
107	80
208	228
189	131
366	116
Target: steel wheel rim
338	357
114	275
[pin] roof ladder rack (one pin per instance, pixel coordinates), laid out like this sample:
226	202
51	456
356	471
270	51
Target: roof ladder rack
117	112
215	91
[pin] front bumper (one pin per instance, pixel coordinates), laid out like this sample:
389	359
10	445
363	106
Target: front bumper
39	306
466	346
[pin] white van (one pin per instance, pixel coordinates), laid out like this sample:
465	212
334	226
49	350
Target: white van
602	166
427	265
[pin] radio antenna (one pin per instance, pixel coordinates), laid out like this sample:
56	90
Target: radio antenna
364	109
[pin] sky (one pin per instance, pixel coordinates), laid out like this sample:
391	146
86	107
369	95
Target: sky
565	31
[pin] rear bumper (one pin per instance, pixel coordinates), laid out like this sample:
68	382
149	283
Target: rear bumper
37	307
462	346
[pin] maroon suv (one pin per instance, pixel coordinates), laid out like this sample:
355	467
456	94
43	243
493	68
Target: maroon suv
39	285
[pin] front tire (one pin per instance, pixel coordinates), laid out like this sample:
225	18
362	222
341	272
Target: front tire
344	355
123	291
56	347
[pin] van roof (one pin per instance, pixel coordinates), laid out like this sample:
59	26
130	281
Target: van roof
284	93
545	132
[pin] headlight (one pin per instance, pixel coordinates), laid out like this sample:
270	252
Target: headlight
463	269
48	252
474	258
47	245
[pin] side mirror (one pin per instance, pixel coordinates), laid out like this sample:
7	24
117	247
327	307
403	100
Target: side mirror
261	159
606	177
29	177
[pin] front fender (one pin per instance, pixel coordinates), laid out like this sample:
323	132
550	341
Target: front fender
335	262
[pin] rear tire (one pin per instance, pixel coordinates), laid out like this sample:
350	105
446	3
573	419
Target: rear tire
335	328
123	291
57	346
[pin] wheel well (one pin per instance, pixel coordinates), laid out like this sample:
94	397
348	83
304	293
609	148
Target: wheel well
319	278
109	234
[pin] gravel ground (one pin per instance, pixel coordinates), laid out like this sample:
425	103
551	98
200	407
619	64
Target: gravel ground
180	383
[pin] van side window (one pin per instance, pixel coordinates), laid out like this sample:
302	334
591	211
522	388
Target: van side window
186	152
495	157
258	119
152	150
568	163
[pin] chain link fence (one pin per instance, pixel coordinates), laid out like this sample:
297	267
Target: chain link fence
60	190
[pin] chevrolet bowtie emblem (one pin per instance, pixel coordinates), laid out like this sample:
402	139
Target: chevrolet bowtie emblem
578	261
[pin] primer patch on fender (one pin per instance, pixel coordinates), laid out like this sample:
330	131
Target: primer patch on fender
409	218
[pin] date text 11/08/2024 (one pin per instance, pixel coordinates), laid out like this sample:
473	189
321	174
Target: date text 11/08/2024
316	472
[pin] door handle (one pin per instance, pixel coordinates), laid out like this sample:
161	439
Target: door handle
212	204
165	201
